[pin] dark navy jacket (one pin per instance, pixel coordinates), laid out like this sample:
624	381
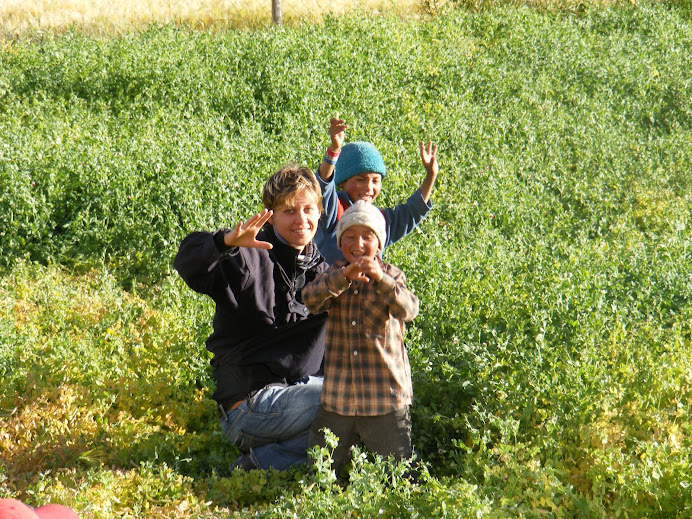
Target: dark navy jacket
263	333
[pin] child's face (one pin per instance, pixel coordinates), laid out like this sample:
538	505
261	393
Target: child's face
365	186
296	220
359	241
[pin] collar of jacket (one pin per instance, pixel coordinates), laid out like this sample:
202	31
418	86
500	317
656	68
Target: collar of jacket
290	258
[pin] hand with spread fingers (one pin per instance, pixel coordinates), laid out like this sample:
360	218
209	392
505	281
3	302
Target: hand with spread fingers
245	234
428	155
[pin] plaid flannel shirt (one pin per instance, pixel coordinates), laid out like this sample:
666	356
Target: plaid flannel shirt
366	367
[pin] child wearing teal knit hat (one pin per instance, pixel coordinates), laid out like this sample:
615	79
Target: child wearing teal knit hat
357	158
357	168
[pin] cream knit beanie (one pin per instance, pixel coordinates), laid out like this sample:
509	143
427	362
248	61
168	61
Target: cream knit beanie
363	213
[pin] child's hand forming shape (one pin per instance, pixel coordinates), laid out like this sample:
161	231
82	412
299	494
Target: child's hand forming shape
365	270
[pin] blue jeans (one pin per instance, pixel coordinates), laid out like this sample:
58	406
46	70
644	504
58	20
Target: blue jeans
273	425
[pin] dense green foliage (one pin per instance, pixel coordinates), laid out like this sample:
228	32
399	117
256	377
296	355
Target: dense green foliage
551	358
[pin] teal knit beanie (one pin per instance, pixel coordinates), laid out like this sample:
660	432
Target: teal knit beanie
356	158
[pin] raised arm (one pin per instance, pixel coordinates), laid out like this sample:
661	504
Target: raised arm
205	264
337	131
428	156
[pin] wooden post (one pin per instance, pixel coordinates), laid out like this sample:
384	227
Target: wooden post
276	11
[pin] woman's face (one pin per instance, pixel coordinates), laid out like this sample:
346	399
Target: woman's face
296	221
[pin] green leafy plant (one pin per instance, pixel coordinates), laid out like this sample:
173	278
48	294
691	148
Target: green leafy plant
550	357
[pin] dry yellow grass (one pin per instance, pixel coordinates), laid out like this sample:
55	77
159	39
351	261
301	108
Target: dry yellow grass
116	17
109	17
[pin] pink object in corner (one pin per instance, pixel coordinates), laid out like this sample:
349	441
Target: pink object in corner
15	509
55	512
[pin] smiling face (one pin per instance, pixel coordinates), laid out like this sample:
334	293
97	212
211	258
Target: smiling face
295	221
359	241
365	186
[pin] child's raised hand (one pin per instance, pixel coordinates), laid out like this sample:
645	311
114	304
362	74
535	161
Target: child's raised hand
337	130
337	133
429	157
245	234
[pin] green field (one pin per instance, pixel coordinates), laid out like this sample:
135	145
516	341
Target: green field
552	357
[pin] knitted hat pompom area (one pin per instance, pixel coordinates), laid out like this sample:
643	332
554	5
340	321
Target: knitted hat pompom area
363	213
356	158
